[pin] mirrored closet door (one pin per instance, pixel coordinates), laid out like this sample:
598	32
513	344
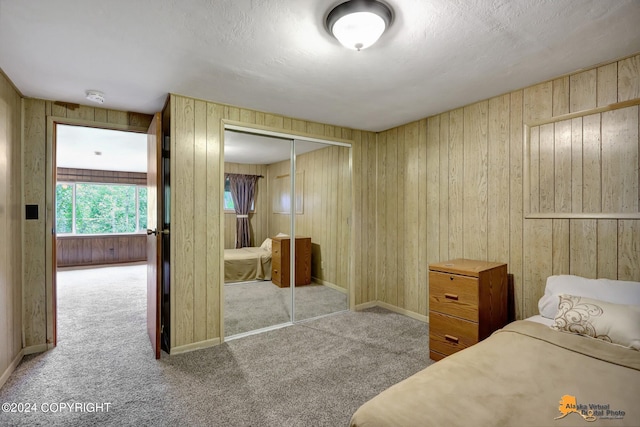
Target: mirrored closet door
302	189
323	207
251	299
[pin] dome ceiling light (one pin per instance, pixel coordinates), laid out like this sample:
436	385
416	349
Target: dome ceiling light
357	24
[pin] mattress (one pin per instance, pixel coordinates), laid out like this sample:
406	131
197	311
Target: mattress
525	374
247	264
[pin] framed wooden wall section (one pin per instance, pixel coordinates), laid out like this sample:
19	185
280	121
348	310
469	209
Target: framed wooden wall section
584	165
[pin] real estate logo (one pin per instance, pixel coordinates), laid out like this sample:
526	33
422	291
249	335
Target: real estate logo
589	412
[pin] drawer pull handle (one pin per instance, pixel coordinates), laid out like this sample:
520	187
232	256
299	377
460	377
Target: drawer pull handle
451	296
450	277
451	338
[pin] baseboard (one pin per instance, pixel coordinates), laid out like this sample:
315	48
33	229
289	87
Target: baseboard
40	348
12	367
195	346
405	312
366	305
329	285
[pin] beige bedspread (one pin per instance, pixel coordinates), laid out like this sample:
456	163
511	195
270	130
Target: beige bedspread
516	377
245	264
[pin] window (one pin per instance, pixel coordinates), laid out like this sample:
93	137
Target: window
88	208
228	198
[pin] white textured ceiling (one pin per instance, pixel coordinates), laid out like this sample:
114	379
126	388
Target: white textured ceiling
275	56
78	147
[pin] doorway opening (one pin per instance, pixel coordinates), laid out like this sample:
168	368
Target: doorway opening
99	226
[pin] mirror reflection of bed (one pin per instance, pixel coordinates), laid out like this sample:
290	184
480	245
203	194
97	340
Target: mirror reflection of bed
257	273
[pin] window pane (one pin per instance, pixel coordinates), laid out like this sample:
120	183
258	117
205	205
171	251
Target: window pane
64	208
142	207
228	201
105	208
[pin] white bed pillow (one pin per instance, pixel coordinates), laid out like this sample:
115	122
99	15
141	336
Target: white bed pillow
266	245
282	235
615	291
614	323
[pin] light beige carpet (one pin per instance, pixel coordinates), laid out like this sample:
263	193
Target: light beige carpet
315	373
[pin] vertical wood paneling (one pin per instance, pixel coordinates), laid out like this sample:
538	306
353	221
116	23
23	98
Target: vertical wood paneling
584	256
561	245
565	171
538	261
498	180
456	178
534	170
629	78
391	206
423	305
432	185
444	186
381	218
516	222
200	220
10	226
414	191
607	244
475	162
591	168
547	168
183	267
561	96
583	90
400	215
34	148
538	102
576	165
607	84
620	160
628	250
562	173
214	197
371	218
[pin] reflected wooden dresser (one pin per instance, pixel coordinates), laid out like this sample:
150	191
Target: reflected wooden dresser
280	261
467	302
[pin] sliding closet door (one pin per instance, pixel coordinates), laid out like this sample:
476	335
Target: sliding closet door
255	295
322	210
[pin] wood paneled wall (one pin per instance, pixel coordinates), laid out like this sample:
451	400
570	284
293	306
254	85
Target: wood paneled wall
196	208
101	176
259	219
11	214
326	192
38	325
452	186
100	250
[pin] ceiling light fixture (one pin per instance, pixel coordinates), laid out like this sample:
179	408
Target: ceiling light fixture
357	24
95	96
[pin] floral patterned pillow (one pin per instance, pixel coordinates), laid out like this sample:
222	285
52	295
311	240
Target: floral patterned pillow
615	323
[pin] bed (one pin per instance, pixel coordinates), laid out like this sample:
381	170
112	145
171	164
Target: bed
248	264
545	370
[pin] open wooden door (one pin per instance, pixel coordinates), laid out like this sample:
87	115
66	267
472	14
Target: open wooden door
154	231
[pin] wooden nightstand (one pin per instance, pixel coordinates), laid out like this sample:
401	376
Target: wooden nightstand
467	302
280	261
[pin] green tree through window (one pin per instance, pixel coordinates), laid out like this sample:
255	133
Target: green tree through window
100	208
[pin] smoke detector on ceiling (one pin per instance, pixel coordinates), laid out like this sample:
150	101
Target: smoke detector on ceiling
95	96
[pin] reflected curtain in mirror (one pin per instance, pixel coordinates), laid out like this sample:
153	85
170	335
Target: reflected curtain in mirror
243	188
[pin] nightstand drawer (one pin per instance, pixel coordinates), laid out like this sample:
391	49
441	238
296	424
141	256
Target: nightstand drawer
454	294
449	334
